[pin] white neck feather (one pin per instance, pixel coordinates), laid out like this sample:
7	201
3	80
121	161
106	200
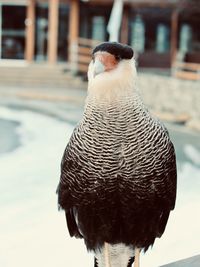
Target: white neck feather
115	85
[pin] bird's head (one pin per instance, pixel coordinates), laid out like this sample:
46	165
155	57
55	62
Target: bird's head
112	67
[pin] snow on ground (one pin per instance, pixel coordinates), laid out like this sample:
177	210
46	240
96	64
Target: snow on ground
33	233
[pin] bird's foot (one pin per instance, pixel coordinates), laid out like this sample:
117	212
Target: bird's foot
137	257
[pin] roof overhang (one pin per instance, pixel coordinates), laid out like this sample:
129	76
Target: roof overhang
138	2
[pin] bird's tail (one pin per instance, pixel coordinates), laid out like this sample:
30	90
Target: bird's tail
118	255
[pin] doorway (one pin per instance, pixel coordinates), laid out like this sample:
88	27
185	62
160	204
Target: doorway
12	31
63	29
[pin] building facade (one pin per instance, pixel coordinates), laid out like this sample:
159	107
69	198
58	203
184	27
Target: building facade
34	30
51	30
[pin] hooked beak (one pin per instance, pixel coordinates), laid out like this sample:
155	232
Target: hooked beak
98	67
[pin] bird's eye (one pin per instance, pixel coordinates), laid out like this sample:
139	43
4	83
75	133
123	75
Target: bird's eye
118	58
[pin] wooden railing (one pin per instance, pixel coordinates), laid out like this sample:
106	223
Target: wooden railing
82	57
187	71
85	47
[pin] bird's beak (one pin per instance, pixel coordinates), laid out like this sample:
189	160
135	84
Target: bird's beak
98	67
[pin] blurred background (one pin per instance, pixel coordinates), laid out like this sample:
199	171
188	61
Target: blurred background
45	49
54	31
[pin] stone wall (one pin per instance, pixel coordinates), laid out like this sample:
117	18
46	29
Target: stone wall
172	99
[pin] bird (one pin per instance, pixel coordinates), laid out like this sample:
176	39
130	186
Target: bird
118	175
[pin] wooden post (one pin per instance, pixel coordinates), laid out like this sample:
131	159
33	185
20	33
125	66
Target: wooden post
73	34
124	27
53	31
30	31
174	36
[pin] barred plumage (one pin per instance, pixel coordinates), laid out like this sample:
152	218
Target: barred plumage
118	174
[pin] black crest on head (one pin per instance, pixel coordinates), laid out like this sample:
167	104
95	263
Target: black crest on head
118	50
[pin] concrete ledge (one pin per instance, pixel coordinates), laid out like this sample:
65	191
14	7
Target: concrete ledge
190	262
171	99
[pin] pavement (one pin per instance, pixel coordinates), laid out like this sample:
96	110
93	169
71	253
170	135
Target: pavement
74	94
9	139
63	103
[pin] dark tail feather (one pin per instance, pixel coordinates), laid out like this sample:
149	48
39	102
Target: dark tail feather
71	224
131	261
95	262
163	222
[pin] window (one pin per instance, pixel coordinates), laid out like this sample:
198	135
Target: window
63	33
41	32
150	29
13	32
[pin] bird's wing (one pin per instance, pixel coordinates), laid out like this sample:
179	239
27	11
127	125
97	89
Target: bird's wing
68	189
148	183
165	188
165	158
70	172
